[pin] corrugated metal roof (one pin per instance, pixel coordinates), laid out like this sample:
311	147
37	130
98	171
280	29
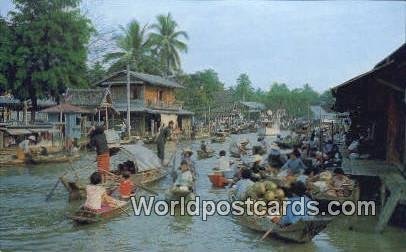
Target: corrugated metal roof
16	132
254	105
9	100
149	78
65	108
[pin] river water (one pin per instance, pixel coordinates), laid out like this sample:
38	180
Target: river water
29	223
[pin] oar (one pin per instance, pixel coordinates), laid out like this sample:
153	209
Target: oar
266	234
122	209
138	185
51	193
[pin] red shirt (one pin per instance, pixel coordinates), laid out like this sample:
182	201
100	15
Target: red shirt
126	188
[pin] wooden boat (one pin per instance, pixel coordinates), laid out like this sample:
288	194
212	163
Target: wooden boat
300	232
324	198
53	158
149	170
11	161
85	216
149	176
218	180
175	193
203	155
218	139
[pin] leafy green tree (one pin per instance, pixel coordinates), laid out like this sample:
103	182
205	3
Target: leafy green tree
6	47
244	90
327	100
95	73
49	53
134	49
199	90
167	42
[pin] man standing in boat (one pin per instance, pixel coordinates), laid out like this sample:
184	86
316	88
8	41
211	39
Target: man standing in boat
99	141
161	140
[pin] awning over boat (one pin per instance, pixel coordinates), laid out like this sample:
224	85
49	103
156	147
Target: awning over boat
16	132
145	158
39	130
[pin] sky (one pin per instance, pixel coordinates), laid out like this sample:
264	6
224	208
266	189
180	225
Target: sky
323	43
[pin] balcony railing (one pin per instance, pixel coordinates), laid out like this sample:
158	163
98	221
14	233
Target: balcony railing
164	105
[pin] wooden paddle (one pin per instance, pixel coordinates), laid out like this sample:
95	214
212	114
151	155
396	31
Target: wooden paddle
51	193
266	234
136	184
122	210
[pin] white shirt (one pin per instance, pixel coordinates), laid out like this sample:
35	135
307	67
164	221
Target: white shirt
224	163
94	195
185	178
25	145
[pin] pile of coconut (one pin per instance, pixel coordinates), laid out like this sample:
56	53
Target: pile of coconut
265	191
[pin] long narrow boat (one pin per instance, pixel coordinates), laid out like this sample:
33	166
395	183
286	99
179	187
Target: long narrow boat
300	232
324	199
85	216
53	158
149	166
203	155
175	193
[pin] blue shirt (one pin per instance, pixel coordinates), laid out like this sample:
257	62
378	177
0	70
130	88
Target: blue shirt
242	186
295	165
292	217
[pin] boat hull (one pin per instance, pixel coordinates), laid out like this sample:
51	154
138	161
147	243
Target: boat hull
83	216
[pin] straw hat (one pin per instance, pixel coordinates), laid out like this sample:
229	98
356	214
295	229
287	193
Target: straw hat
286	151
187	149
244	141
257	158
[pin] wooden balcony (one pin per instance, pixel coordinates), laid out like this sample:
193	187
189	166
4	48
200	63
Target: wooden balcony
164	105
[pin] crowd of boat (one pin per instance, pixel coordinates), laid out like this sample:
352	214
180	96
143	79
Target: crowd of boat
275	166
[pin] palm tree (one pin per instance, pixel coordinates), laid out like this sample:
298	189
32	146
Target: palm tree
167	43
134	46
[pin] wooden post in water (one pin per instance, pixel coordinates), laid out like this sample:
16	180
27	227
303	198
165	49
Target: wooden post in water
128	102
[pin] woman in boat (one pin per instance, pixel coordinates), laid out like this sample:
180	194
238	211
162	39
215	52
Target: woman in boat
96	195
243	184
224	165
295	164
187	156
203	146
126	187
185	177
298	191
256	168
161	140
99	141
23	148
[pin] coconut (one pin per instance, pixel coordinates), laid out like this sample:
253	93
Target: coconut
280	194
259	188
270	186
251	193
269	195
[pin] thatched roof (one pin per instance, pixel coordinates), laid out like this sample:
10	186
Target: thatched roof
120	78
